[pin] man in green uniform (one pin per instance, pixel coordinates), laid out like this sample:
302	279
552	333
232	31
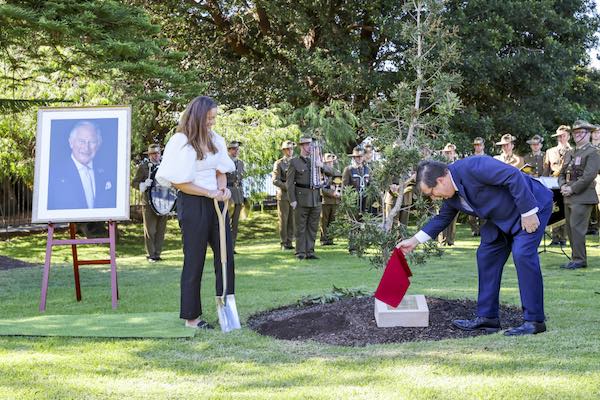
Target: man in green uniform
284	211
332	193
304	192
553	163
234	184
154	225
577	185
357	175
535	159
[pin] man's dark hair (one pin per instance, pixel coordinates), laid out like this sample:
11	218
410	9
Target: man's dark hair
428	171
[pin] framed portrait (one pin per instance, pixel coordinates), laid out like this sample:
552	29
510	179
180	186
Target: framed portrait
82	164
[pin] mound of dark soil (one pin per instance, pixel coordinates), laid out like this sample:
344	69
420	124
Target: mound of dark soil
10	263
351	322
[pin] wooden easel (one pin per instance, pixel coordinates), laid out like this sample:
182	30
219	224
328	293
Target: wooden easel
73	242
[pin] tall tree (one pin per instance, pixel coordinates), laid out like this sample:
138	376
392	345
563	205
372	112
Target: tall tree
520	60
298	51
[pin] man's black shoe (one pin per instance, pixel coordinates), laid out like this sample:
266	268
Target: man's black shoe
562	242
566	265
592	232
489	325
575	265
312	257
287	247
300	256
528	328
555	243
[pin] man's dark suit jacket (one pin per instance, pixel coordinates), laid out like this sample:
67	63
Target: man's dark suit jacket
497	192
65	190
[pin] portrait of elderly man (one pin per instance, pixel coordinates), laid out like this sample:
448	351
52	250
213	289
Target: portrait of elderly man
77	179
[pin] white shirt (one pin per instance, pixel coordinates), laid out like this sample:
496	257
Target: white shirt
88	180
180	163
422	237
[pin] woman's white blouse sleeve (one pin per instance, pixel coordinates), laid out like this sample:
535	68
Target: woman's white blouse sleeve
178	162
225	163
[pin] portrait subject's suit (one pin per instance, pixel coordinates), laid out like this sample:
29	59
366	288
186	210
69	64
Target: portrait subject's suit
500	193
65	190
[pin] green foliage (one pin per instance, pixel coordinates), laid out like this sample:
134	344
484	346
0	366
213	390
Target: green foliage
521	61
261	132
336	294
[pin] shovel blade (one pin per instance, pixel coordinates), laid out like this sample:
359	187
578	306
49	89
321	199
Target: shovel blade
227	313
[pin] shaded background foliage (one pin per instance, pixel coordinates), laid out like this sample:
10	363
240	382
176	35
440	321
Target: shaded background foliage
319	64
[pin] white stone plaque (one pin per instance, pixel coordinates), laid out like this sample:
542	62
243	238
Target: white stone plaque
411	312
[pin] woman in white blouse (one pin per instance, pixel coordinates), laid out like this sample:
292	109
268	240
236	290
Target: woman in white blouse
195	161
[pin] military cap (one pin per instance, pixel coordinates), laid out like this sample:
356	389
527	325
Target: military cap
357	152
327	157
152	149
478	140
583	124
536	139
234	144
562	129
449	147
506	139
288	144
304	140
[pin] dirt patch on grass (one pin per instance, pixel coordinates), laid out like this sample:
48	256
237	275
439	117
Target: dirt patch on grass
350	322
10	263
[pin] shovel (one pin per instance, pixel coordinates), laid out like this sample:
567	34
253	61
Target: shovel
226	308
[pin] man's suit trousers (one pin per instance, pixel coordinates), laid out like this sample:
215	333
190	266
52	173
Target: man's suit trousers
491	257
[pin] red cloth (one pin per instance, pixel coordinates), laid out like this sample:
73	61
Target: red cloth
394	282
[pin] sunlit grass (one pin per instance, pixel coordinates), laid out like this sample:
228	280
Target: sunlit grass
560	364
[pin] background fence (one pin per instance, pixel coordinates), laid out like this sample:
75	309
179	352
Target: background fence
16	199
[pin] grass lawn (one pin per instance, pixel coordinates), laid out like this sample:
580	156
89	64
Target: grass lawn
563	363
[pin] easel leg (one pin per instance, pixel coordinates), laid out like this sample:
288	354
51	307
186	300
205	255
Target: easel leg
72	232
113	263
47	267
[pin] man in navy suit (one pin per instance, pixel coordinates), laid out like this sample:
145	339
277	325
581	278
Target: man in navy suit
80	182
516	209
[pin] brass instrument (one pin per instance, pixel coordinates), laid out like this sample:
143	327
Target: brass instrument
316	162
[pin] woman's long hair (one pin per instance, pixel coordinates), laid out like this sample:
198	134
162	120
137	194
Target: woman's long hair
193	125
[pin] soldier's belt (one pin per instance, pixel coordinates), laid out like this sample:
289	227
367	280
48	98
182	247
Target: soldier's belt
300	185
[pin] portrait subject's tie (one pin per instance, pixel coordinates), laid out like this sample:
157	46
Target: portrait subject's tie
89	188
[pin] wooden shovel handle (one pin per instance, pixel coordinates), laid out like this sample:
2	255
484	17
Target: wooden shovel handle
222	242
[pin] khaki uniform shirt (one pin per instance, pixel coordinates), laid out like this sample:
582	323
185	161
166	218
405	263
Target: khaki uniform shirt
537	163
579	171
279	176
234	181
513	160
553	160
328	190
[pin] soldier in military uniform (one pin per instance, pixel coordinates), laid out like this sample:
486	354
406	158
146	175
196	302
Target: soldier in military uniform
553	162
305	198
154	225
448	235
478	146
478	150
507	156
535	159
234	184
595	220
332	193
357	175
577	185
391	195
284	211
